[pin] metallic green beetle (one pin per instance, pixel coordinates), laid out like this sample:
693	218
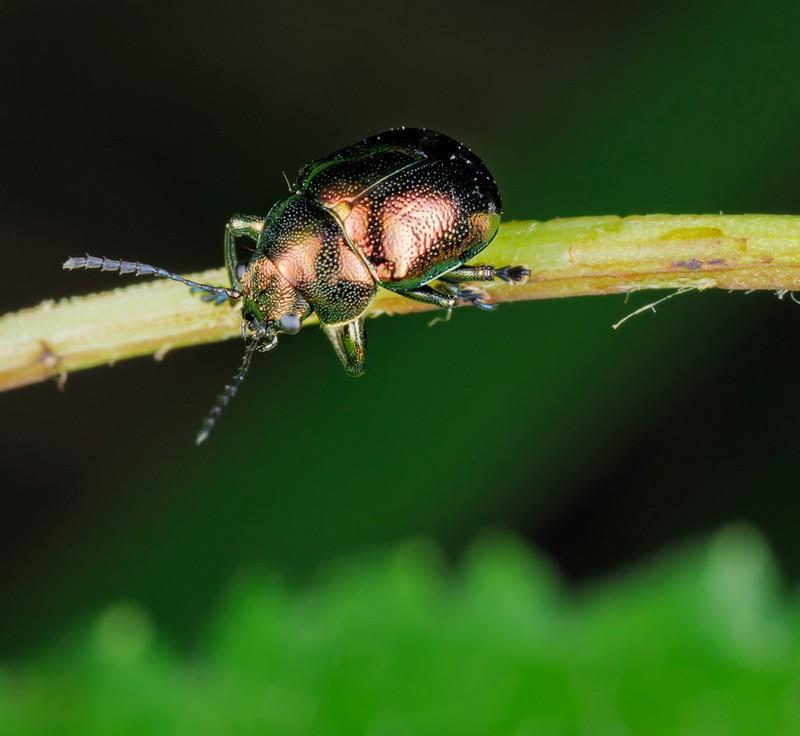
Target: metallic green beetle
398	210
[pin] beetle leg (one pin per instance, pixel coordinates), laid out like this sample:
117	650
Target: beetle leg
463	274
513	274
429	295
239	226
468	273
509	274
475	297
350	343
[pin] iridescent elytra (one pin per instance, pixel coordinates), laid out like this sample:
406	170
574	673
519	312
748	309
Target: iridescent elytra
403	210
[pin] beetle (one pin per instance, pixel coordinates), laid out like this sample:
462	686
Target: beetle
398	210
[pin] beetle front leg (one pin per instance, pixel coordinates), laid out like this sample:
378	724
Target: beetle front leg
350	343
239	226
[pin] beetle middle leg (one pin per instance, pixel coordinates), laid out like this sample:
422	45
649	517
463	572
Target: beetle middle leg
350	343
429	295
468	295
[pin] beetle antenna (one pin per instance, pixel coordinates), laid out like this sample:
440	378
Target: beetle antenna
228	393
142	269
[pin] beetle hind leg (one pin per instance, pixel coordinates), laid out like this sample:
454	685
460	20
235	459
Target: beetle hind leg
452	280
449	290
509	274
349	340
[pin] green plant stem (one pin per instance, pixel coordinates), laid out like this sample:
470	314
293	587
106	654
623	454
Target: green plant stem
567	257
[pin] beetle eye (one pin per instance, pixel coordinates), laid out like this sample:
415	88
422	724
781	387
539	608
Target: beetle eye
241	268
290	324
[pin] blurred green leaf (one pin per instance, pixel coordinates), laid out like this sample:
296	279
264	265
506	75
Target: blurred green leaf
700	642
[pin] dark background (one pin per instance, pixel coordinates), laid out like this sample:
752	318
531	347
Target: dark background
136	129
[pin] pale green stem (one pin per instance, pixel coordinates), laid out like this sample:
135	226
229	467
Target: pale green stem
567	257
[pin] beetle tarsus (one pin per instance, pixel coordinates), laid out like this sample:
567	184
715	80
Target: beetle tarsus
513	274
476	298
469	295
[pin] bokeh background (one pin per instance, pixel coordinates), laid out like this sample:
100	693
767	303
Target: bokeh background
517	522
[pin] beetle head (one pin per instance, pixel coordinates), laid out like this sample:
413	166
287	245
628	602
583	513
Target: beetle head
270	304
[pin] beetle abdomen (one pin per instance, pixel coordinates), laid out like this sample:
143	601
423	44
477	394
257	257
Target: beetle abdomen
421	223
414	202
